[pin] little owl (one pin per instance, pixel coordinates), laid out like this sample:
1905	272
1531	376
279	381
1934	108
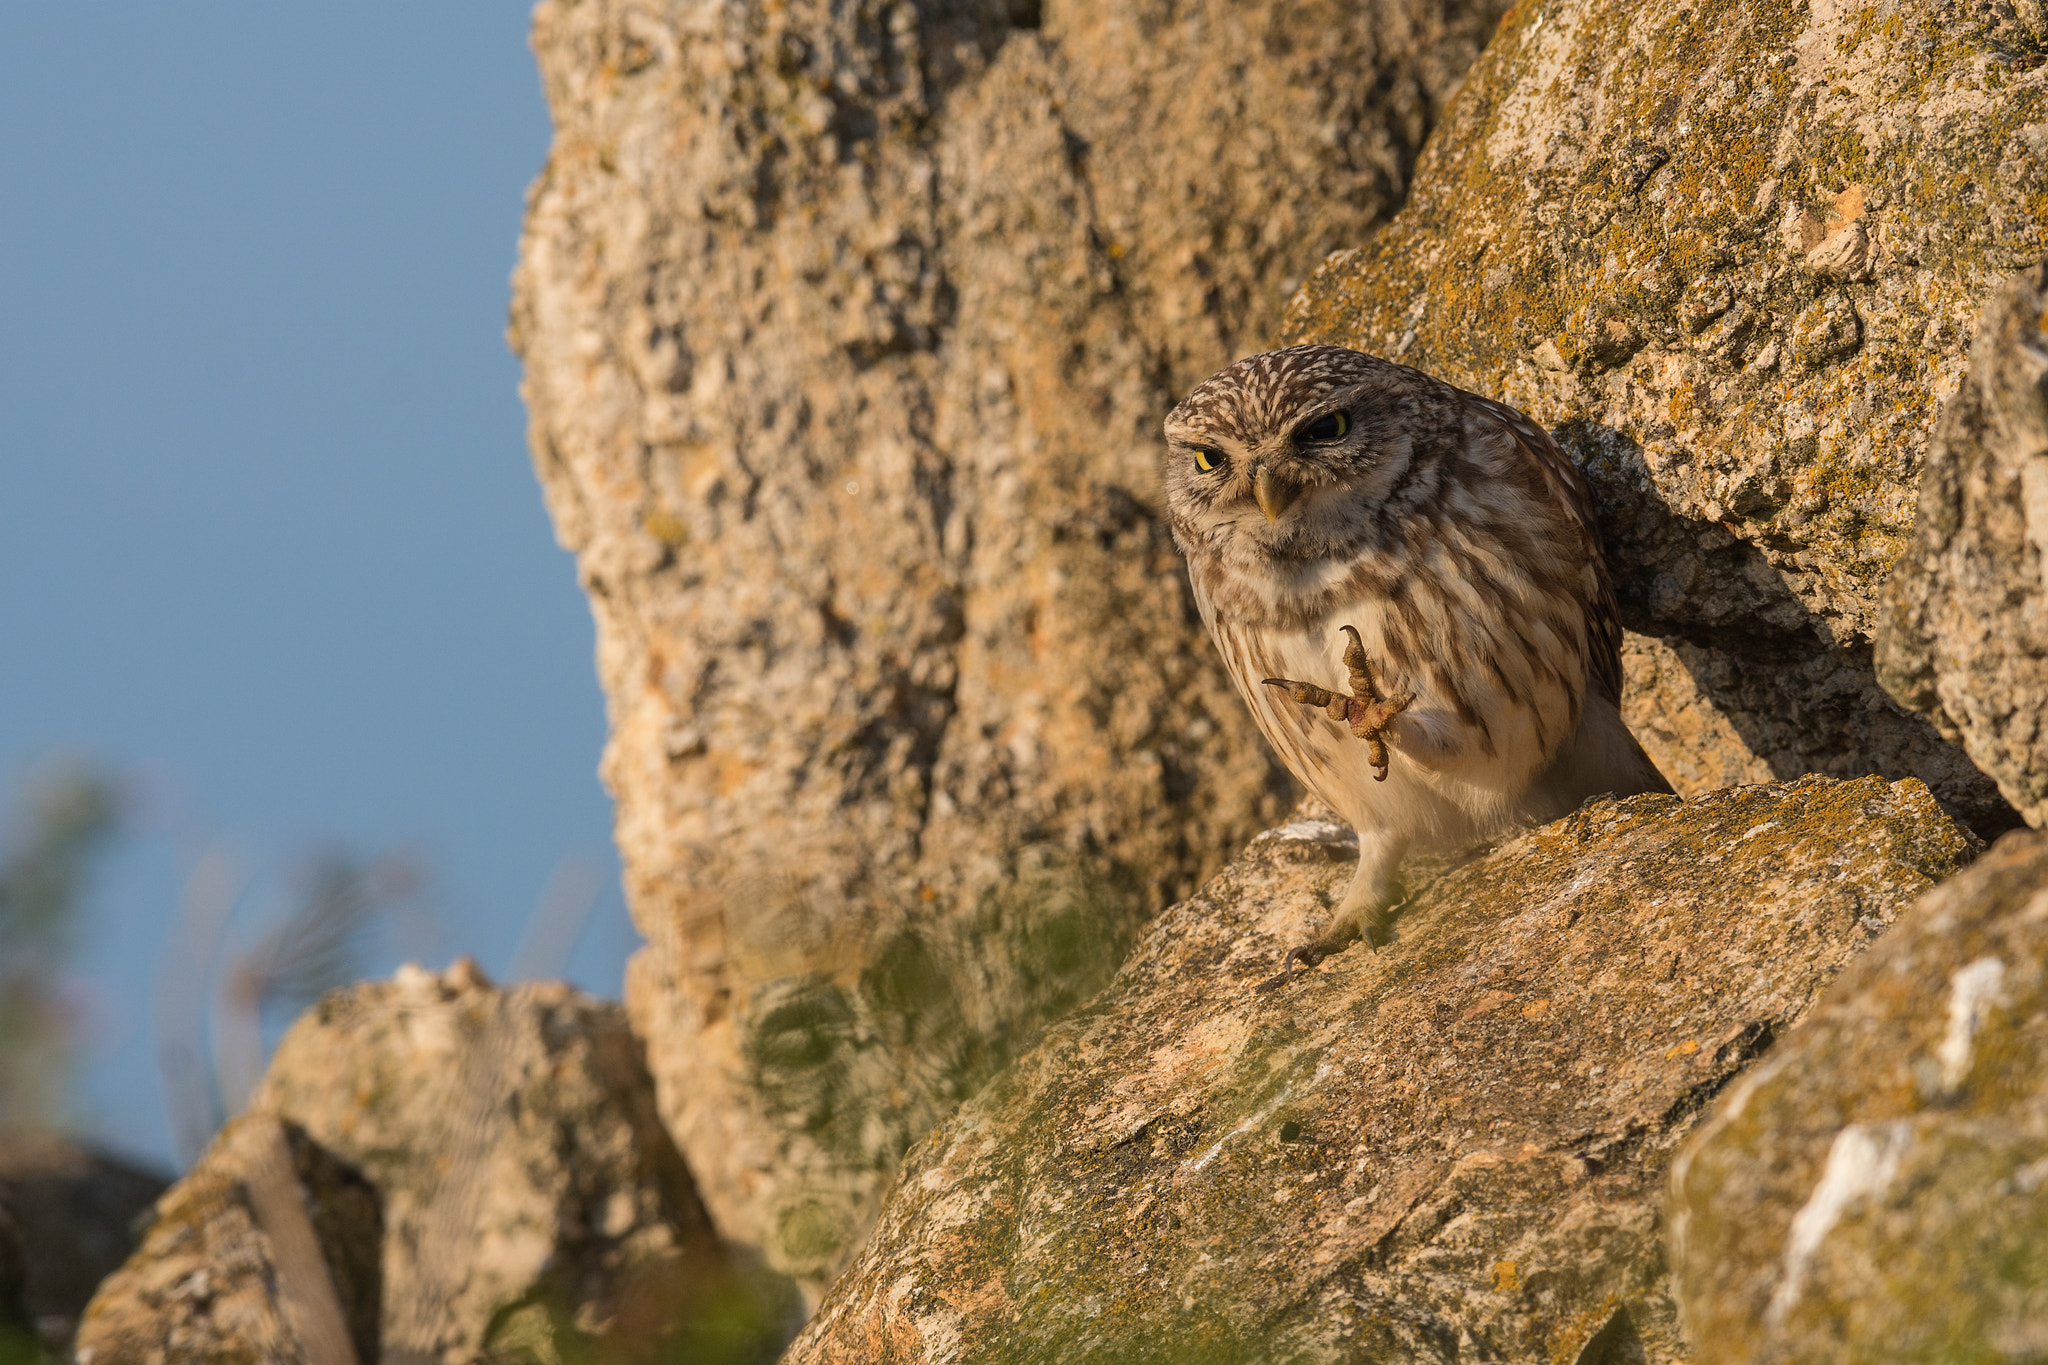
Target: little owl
1406	583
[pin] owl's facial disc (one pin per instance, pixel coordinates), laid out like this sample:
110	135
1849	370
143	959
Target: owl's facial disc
1277	489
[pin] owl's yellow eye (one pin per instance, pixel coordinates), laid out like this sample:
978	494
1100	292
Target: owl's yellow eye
1207	460
1329	427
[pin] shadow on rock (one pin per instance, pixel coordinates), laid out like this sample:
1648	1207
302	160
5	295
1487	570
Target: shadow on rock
1717	625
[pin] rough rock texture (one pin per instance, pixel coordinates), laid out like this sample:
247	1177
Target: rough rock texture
1878	1189
528	1186
1731	254
77	1208
848	326
532	1206
1966	637
210	1281
1453	1149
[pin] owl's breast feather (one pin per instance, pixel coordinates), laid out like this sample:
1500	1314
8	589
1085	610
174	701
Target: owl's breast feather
1462	753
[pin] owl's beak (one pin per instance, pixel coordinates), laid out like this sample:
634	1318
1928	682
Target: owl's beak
1275	495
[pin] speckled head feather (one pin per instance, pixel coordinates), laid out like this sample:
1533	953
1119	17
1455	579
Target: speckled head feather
1316	489
1270	389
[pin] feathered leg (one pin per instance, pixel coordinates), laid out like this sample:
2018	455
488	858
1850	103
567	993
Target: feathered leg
1362	914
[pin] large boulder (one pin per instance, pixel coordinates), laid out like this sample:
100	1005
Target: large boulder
528	1202
1966	630
1731	255
1451	1149
1877	1190
848	326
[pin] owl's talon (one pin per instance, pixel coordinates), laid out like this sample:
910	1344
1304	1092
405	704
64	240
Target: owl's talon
1368	711
1311	954
1304	953
1308	694
1358	664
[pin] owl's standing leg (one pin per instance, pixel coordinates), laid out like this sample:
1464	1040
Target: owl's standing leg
1369	901
1361	914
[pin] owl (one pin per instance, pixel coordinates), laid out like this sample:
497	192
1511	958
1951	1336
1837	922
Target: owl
1406	584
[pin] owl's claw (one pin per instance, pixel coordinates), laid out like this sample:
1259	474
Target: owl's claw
1368	710
1309	954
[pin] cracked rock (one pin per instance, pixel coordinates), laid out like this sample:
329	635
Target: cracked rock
487	1178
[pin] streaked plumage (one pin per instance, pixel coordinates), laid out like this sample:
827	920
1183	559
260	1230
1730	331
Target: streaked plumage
1459	540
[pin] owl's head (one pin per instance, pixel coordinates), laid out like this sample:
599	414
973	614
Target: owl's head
1293	453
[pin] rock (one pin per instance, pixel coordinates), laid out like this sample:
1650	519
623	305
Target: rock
531	1204
16	1327
528	1185
1966	631
77	1208
847	332
1452	1149
1731	255
1875	1190
267	1250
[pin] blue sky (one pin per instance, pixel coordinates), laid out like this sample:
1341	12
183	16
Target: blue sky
270	542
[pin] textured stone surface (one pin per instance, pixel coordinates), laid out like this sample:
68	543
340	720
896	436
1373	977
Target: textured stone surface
528	1187
1877	1190
1731	255
77	1208
531	1205
848	326
208	1282
1966	638
1452	1149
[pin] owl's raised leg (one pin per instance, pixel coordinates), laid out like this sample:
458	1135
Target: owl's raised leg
1369	710
1362	914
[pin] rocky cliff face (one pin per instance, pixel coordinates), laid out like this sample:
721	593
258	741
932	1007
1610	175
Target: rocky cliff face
1731	255
1451	1149
847	329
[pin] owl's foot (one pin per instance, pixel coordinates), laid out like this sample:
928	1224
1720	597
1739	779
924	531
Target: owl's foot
1369	710
1334	939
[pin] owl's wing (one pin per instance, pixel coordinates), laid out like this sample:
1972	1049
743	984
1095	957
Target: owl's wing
1568	486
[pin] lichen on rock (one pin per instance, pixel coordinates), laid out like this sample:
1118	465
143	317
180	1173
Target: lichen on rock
1877	1190
1453	1148
1731	255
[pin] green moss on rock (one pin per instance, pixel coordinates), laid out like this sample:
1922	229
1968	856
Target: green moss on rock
1456	1143
1878	1189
